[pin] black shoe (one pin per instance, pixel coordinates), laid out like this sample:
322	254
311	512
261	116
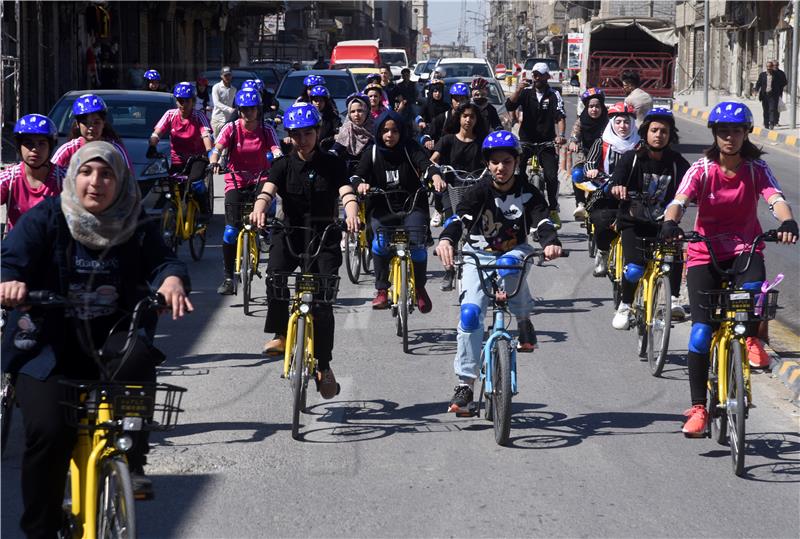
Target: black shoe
226	288
447	280
526	342
142	486
461	398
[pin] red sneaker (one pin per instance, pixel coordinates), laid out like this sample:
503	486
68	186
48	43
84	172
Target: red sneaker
423	300
381	300
758	357
695	426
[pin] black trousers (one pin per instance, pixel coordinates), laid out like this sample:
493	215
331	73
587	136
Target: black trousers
705	277
548	159
49	440
769	104
632	254
417	218
602	219
328	262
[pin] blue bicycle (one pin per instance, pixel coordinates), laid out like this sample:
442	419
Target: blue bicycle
499	370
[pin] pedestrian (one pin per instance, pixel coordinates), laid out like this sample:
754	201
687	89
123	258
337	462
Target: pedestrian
203	103
222	96
640	100
770	86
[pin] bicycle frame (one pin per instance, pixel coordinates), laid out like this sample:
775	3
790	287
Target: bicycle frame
401	256
251	245
719	343
499	331
291	334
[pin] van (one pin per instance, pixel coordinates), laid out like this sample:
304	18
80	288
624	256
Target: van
356	53
396	59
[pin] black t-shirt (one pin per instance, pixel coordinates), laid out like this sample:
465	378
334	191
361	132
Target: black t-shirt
498	222
459	154
399	170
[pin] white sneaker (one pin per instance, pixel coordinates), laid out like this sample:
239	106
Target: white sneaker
600	264
678	313
436	220
622	317
580	212
343	243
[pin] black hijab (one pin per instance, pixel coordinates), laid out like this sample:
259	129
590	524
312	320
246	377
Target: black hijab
397	153
591	128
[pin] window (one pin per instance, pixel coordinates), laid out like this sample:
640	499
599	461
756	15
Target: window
338	86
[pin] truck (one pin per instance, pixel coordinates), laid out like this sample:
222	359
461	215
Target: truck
356	53
616	44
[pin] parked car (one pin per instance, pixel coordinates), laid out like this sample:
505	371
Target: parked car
281	66
239	76
268	75
396	59
133	114
465	67
556	75
360	75
422	71
340	84
497	96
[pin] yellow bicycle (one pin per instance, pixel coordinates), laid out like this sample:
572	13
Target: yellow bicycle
358	254
302	290
616	267
181	207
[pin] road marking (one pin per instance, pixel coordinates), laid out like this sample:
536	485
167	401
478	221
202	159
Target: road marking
791	140
792	377
705	115
757	130
786	365
772	135
695	113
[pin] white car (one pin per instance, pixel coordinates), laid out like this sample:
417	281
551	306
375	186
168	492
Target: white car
465	67
396	59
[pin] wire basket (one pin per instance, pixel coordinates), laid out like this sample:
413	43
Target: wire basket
669	251
284	286
157	405
740	305
455	193
402	236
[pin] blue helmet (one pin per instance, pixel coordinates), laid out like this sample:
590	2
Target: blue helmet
372	78
35	124
184	90
319	91
508	260
247	98
248	84
301	115
659	112
731	112
501	140
152	74
259	84
313	80
577	174
459	89
87	104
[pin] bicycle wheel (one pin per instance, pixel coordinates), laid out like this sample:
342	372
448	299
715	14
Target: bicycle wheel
501	390
210	191
660	325
296	375
717	419
6	409
197	240
246	272
115	502
737	406
169	232
591	240
352	257
366	259
639	321
402	314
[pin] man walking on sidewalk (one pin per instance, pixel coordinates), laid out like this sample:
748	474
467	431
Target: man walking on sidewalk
770	86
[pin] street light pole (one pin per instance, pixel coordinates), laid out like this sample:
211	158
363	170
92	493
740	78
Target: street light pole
705	53
793	71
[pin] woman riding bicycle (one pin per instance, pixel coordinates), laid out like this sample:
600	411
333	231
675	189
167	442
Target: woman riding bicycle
652	170
357	133
309	183
494	217
247	141
321	98
588	128
725	185
619	136
396	163
434	106
28	182
93	243
377	100
89	125
309	82
479	91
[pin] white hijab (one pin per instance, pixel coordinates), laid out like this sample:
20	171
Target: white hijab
618	144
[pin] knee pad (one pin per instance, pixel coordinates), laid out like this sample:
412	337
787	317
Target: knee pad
753	286
470	317
700	338
633	272
577	174
379	245
419	254
508	260
230	235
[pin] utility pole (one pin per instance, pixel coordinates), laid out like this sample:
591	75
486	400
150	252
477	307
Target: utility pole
793	71
705	53
535	33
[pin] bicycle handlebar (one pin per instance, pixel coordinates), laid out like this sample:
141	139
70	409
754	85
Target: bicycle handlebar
307	257
696	237
378	191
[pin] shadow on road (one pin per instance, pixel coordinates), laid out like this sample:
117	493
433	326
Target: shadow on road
258	432
781	448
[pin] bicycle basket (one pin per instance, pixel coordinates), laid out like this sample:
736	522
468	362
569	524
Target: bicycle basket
402	236
669	251
157	405
455	193
284	286
740	305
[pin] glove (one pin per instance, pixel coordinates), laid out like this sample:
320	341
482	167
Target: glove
152	152
670	231
789	225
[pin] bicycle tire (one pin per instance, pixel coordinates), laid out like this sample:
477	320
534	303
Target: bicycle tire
246	273
501	390
366	260
639	322
718	421
168	226
352	257
592	241
197	240
210	192
736	408
402	314
660	326
617	293
6	410
115	502
296	375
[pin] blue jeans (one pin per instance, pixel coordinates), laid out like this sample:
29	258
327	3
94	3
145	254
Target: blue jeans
468	351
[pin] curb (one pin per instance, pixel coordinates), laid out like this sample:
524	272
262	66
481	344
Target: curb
792	141
786	370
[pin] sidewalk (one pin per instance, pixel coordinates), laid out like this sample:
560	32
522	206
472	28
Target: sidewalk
691	104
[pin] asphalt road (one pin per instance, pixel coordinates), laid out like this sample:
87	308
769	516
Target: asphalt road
596	448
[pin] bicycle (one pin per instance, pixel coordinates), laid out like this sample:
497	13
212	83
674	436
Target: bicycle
358	254
181	207
99	499
402	294
533	168
729	388
616	267
593	193
499	369
302	290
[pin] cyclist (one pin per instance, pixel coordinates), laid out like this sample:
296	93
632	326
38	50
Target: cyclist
387	81
247	142
309	82
434	105
653	169
619	136
357	133
588	128
396	163
93	240
203	101
153	79
459	93
90	124
725	185
377	100
28	182
542	112
494	217
308	182
479	88
321	98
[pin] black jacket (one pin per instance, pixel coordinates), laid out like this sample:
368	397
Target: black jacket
778	84
538	118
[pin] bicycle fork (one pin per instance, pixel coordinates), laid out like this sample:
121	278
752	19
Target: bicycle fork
246	240
291	336
499	334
